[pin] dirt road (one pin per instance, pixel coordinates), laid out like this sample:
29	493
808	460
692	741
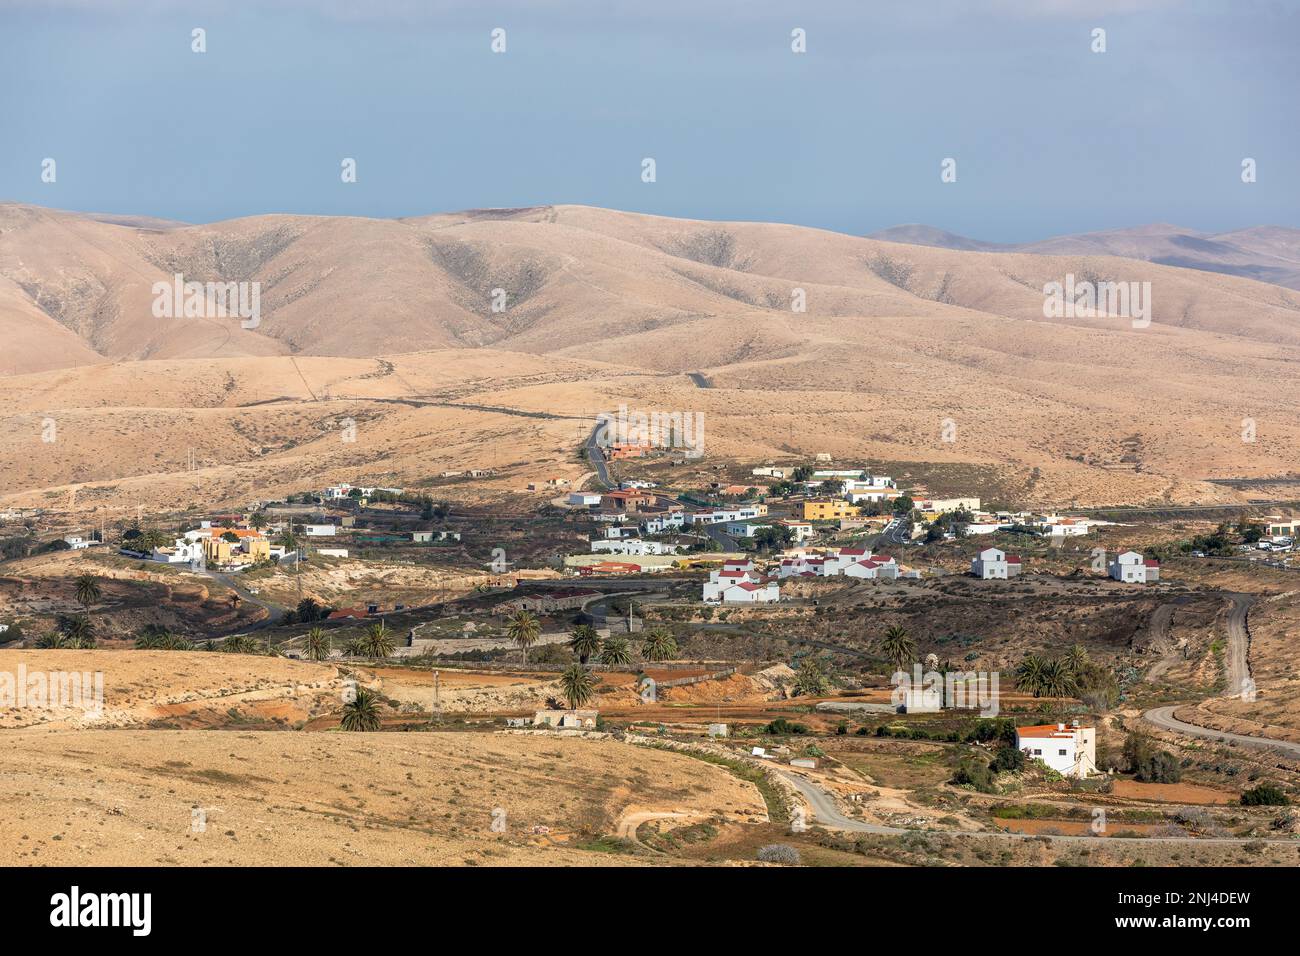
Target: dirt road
828	815
1163	717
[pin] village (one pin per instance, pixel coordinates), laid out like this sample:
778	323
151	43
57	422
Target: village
801	625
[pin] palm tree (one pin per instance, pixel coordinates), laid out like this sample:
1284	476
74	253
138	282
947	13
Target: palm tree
152	637
578	685
356	647
584	642
258	521
1058	681
309	610
615	652
316	646
1076	659
240	644
78	629
88	590
898	647
378	641
1029	675
362	712
177	643
523	630
809	680
659	645
53	640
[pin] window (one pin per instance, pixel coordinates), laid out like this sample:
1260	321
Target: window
1060	753
1037	752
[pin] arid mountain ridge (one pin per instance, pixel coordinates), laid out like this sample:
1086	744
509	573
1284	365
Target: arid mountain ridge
390	323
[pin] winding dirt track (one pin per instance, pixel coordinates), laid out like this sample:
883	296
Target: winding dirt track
1237	663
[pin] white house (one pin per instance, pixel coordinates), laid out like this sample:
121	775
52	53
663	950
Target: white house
1131	568
319	530
730	514
802	530
993	563
1065	527
749	592
183	551
673	520
745	529
858	495
873	568
1070	751
720	581
584	499
632	546
77	543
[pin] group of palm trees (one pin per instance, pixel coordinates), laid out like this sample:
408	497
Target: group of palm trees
523	629
155	637
76	631
376	642
1053	676
577	682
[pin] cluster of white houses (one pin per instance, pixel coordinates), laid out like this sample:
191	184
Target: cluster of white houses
849	562
738	581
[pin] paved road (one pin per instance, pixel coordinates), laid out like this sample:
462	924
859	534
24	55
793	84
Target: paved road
274	612
596	457
1238	666
714	531
897	532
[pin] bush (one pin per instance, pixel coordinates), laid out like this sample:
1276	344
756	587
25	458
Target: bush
974	773
1007	760
1148	763
782	727
1265	795
778	853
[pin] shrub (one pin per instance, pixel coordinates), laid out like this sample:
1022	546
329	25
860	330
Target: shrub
1008	759
1148	763
1265	795
782	727
778	853
974	773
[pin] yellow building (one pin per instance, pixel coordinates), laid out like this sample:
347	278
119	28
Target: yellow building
259	549
216	550
831	509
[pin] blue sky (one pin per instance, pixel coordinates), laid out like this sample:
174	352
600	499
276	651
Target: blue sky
1049	137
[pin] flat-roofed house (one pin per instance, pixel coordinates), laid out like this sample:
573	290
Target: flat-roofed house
1132	568
1070	751
995	564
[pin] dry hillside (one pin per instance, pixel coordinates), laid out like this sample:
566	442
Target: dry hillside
388	323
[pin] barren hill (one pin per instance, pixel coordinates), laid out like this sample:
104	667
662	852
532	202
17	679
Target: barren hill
390	324
1266	253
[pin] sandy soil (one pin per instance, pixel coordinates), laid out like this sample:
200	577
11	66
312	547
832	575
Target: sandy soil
144	686
128	797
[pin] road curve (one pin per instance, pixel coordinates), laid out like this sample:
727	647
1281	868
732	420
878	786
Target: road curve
1237	663
828	815
1163	717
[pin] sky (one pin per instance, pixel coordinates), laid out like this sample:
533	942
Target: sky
1049	137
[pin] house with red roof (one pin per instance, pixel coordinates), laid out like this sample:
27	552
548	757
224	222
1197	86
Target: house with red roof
1070	751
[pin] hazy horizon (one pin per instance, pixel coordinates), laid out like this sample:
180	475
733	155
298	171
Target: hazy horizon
1050	138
